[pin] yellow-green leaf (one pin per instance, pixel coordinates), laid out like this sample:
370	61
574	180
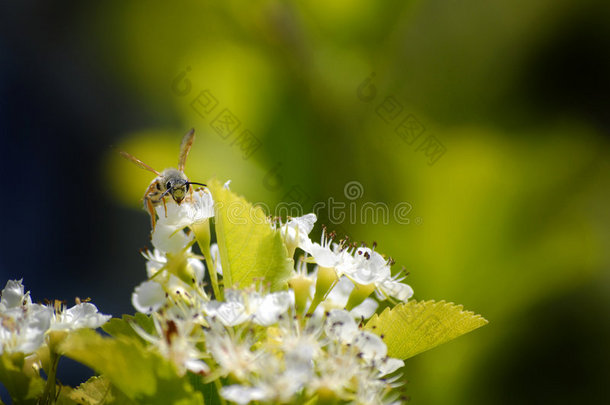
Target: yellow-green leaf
122	326
249	249
23	384
414	327
94	391
143	375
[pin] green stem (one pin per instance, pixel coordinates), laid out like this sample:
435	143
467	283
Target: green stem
203	236
211	265
48	396
327	278
218	387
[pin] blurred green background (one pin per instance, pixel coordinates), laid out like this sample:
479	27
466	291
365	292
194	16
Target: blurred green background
490	121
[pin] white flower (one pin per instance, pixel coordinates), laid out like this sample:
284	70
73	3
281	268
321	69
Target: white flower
170	239
272	306
339	295
278	382
168	235
176	340
13	296
157	261
231	352
241	306
342	327
83	315
396	289
148	297
193	209
243	395
366	266
296	232
230	312
329	254
22	324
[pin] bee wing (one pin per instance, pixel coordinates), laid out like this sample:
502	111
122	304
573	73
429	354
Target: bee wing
185	147
139	163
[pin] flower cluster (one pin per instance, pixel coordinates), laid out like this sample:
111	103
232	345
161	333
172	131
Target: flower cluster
282	346
25	326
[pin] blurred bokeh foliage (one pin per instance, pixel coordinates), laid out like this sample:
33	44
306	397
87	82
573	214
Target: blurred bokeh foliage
513	215
512	221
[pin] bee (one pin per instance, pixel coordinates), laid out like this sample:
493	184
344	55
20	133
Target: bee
170	181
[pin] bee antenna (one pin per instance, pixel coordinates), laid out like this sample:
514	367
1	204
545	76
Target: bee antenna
199	184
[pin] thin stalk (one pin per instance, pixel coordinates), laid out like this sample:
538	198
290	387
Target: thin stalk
48	396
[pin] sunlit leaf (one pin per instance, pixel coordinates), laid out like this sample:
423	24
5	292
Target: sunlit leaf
249	249
122	326
92	392
414	327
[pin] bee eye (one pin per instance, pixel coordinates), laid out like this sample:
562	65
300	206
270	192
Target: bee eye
187	186
168	185
158	186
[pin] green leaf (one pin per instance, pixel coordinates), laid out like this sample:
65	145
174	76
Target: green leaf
249	249
414	327
144	376
208	390
23	384
96	390
122	327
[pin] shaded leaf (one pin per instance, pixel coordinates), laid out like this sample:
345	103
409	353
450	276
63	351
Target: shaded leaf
23	384
208	390
142	375
414	327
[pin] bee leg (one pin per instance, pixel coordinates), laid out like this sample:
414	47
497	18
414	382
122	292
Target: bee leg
151	210
150	207
164	207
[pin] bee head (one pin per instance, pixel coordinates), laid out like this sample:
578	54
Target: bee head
178	192
175	183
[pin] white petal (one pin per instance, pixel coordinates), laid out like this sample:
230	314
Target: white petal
196	366
323	256
84	315
12	295
368	267
304	224
216	257
242	394
170	239
201	207
197	268
365	310
396	289
371	346
339	295
272	306
389	365
148	297
228	313
341	325
39	317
